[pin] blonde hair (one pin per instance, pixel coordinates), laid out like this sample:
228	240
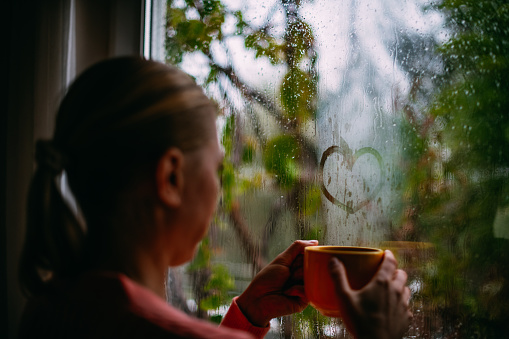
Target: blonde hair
116	119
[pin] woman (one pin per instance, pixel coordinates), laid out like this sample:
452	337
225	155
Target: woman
137	142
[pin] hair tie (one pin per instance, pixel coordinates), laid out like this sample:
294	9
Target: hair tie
47	155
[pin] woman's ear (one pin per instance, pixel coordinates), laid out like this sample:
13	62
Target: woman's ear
170	177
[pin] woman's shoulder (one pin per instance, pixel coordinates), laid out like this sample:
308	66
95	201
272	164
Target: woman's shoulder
148	307
108	304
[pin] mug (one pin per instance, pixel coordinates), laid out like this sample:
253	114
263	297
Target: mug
361	264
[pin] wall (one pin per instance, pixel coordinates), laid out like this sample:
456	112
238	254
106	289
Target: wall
49	41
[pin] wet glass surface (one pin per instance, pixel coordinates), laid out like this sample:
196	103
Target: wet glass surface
366	123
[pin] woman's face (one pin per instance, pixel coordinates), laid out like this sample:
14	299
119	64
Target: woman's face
200	196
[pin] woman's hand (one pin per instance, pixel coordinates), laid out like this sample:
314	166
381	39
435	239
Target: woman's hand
378	310
278	289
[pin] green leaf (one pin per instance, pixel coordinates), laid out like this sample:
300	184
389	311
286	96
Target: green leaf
280	158
193	36
265	46
175	16
298	94
299	37
241	24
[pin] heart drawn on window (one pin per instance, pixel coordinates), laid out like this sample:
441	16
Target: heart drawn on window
349	160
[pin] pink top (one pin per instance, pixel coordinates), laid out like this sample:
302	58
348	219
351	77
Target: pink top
110	305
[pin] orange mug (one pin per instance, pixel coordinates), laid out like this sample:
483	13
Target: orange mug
361	264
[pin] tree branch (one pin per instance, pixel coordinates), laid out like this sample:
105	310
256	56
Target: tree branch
255	96
246	238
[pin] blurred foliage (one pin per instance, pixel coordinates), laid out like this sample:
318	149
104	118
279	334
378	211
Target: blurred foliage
297	94
280	157
319	321
213	282
202	256
192	27
456	161
218	288
312	200
265	45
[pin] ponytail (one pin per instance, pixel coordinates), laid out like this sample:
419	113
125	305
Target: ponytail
54	238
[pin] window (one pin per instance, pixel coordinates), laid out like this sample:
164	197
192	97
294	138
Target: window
377	123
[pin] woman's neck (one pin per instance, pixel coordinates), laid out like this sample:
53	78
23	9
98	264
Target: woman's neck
149	271
141	265
134	247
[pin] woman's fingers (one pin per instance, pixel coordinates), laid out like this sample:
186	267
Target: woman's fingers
298	262
297	274
387	267
400	279
407	294
288	256
297	291
338	273
380	309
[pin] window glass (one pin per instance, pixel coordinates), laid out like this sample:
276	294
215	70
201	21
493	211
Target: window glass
376	123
